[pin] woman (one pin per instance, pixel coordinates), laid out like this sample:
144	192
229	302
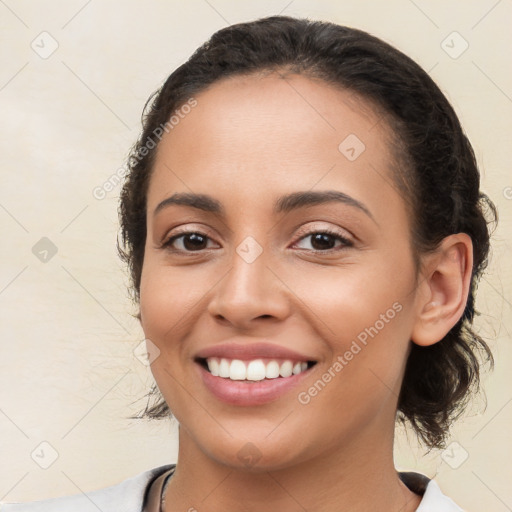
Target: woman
304	229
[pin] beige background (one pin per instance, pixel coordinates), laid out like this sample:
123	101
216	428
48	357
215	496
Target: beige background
68	374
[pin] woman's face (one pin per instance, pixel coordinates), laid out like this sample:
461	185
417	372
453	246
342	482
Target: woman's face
281	162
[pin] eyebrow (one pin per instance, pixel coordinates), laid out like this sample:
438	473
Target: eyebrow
283	204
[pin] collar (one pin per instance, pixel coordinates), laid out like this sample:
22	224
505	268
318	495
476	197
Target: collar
416	482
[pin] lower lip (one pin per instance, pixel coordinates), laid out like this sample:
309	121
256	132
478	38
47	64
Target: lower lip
245	393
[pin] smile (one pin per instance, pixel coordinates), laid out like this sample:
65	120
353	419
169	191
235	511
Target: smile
251	383
254	370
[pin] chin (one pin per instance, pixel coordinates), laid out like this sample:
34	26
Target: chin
256	455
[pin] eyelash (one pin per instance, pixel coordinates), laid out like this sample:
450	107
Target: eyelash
345	242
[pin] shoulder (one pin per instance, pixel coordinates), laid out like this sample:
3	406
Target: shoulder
433	500
127	495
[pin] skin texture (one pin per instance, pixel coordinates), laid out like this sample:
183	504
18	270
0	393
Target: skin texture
248	141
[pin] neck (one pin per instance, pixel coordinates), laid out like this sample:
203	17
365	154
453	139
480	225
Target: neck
358	477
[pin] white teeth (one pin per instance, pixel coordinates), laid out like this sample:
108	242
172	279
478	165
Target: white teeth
254	370
286	369
272	370
237	370
213	366
224	368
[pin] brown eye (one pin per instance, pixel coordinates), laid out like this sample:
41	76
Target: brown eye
323	241
188	242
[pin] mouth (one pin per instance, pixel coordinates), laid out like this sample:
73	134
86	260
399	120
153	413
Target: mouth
252	382
254	370
252	373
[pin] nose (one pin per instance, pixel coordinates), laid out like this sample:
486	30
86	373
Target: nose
250	292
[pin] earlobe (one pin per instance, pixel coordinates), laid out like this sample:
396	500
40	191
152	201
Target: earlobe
444	286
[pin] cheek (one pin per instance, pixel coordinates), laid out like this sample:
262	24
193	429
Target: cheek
350	300
167	297
167	306
173	301
365	315
368	341
158	306
163	305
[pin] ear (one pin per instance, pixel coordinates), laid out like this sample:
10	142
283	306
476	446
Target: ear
443	287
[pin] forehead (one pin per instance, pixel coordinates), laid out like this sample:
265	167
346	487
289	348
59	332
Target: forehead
254	136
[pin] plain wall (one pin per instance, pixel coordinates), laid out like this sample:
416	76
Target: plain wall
68	374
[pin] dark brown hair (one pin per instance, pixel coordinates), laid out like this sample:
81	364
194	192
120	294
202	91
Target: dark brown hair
439	171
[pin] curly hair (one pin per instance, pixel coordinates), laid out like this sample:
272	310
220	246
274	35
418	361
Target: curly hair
438	176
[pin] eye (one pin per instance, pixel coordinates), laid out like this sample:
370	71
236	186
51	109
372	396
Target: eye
187	241
325	240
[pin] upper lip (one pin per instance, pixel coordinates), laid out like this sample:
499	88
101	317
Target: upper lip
251	351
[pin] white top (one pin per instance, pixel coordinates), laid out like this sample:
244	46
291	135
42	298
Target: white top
132	495
435	501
